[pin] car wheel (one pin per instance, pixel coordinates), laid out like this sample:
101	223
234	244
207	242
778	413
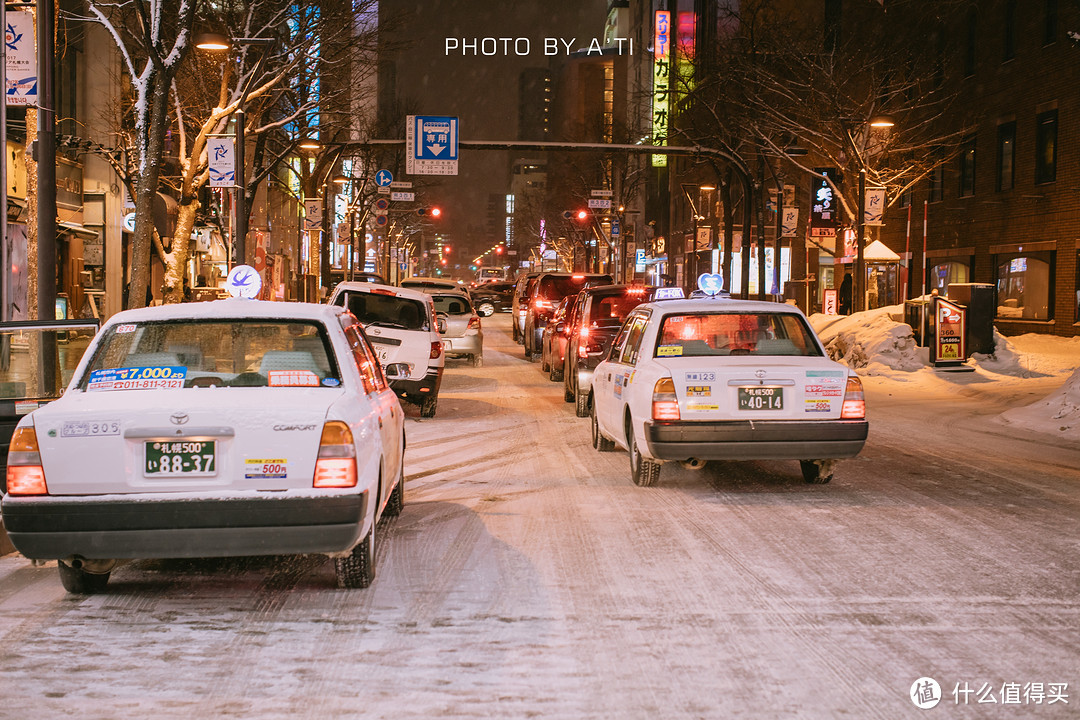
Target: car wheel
599	442
645	472
357	569
817	472
555	373
476	360
79	581
545	363
428	406
397	495
567	393
486	309
582	403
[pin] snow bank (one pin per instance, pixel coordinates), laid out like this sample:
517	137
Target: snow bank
1057	413
872	341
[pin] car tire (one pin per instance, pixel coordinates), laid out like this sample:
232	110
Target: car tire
555	373
643	471
80	582
476	360
567	393
545	363
599	442
357	569
814	474
581	401
396	502
486	309
428	406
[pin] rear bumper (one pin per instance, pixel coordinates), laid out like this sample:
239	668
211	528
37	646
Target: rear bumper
147	526
416	390
758	440
466	345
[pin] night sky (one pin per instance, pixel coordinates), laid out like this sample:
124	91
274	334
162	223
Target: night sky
482	91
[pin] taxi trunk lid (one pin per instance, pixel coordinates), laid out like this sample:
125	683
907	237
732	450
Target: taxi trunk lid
758	388
235	439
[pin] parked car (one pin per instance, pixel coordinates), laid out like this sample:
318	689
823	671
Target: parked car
492	297
542	298
553	341
717	379
403	328
594	320
521	289
463	336
234	427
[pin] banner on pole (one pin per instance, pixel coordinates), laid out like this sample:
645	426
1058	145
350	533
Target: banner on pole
21	66
313	209
221	160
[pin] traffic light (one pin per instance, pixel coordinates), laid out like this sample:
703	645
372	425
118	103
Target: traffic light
446	249
581	215
432	212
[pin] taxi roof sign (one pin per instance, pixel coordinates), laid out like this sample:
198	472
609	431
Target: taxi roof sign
670	293
711	283
244	281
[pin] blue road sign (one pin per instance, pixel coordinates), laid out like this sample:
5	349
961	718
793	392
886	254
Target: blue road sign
615	226
383	178
436	138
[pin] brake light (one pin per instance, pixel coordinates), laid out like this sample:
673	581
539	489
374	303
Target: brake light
474	322
436	350
336	466
854	400
25	476
543	305
665	404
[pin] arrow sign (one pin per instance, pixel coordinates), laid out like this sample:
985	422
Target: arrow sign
383	178
431	145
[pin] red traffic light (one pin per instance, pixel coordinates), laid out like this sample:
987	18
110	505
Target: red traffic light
582	214
433	212
446	248
498	250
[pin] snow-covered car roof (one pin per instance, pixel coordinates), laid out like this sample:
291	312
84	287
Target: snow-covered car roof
231	308
692	305
377	288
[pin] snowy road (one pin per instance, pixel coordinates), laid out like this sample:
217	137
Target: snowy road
528	577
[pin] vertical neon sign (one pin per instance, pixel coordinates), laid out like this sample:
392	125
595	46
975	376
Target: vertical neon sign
661	79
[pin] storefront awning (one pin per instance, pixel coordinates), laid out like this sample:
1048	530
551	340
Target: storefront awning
76	229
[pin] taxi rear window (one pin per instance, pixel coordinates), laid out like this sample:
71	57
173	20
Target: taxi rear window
217	353
723	334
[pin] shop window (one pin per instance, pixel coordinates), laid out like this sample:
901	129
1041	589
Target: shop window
1024	285
1006	152
967	167
944	273
1046	147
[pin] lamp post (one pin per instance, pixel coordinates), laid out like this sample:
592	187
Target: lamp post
693	254
214	41
859	301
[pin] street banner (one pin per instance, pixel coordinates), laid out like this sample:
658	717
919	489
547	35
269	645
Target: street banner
790	222
21	66
221	159
313	213
829	305
874	210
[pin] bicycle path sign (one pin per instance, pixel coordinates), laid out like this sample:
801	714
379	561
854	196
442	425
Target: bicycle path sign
431	144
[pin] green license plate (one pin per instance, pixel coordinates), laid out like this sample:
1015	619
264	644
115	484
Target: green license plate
179	458
761	398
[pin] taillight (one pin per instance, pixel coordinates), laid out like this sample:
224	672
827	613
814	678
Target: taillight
665	405
474	322
543	305
854	401
25	476
436	350
336	466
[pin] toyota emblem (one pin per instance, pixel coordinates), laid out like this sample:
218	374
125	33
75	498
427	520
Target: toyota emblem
178	418
759	373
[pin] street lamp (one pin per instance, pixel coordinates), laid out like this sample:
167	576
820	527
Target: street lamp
697	216
218	42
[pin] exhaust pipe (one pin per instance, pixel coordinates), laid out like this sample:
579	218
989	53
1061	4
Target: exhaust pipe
693	463
91	566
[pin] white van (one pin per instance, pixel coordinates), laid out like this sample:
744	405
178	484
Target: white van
403	328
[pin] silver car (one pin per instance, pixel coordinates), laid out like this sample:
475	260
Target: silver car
463	336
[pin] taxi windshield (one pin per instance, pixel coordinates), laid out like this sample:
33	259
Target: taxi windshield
721	334
218	353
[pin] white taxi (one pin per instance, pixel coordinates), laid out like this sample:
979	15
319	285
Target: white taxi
720	379
227	428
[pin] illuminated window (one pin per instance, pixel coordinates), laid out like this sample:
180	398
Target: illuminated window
1024	284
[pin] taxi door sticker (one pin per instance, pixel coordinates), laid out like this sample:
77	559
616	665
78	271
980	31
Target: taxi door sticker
265	468
669	351
619	377
821	389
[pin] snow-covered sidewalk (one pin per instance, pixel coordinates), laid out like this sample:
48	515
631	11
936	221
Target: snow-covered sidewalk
879	346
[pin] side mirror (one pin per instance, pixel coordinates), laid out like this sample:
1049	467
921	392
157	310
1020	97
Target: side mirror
560	327
396	371
441	325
